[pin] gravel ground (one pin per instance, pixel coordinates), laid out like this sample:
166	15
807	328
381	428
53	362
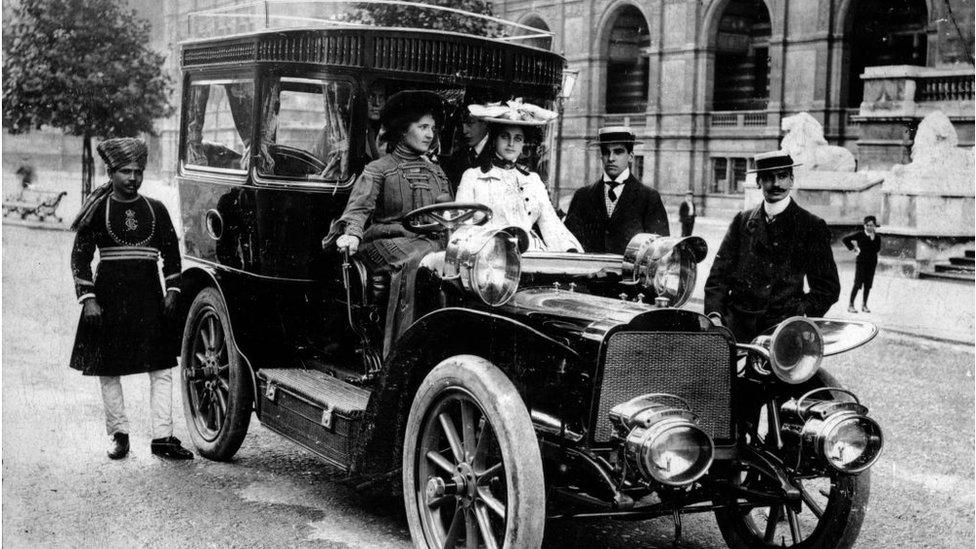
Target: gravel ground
59	489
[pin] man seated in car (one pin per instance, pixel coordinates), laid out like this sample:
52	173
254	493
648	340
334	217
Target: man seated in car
388	188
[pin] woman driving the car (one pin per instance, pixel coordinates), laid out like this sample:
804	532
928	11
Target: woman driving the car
391	186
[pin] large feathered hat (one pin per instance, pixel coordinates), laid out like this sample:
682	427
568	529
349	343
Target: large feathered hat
513	112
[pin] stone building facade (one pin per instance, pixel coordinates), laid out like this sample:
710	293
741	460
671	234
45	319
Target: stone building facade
705	83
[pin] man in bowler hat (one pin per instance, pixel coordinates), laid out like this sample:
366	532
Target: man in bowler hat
757	278
604	216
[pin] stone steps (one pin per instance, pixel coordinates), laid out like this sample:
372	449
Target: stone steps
958	268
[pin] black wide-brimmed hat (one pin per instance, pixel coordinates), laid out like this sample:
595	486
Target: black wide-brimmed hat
774	160
411	104
615	135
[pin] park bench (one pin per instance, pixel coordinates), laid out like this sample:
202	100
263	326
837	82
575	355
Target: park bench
42	204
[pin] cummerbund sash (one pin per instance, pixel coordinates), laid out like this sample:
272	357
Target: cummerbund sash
125	253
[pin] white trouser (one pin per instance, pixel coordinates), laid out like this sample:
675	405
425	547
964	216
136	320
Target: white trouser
160	401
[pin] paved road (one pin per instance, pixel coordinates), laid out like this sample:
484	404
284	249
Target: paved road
59	490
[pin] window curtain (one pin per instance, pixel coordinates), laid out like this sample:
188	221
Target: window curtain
240	97
335	138
269	123
194	128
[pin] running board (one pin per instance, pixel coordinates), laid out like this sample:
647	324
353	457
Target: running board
316	410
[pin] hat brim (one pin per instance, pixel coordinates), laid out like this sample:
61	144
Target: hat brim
598	144
510	122
758	170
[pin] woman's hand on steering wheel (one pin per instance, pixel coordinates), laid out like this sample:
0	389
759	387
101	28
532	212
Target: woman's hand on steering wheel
447	216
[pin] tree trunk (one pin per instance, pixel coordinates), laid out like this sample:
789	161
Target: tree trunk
87	167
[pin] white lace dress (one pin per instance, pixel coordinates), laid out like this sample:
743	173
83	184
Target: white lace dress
521	200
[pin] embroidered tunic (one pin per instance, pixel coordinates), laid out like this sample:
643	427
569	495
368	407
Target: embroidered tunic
519	199
133	336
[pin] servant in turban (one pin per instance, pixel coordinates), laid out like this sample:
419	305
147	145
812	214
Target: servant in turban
123	327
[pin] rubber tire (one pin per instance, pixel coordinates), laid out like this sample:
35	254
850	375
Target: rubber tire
500	400
241	398
841	523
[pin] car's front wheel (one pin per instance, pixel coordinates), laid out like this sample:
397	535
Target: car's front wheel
472	471
217	393
829	517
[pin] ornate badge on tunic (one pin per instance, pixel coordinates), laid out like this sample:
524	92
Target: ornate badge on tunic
130	221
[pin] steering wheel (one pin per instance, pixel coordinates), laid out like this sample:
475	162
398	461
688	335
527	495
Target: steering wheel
459	212
290	161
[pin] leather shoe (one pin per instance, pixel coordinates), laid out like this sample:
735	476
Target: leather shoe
851	309
120	446
170	448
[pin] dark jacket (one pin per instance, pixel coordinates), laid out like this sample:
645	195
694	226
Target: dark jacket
869	248
639	210
684	214
757	277
461	161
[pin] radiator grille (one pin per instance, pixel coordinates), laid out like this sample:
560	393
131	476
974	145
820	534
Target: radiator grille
693	366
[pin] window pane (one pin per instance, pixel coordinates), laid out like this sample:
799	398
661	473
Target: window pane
307	129
738	175
719	174
219	123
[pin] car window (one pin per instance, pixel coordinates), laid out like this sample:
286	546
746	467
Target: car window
219	123
305	129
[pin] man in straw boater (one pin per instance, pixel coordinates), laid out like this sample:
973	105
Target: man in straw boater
123	328
604	216
757	278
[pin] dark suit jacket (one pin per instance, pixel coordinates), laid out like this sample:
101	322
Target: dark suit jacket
683	214
461	161
757	277
639	210
869	248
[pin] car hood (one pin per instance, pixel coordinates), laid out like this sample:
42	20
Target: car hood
584	312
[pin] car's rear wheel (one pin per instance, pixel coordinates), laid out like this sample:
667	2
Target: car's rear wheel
829	517
217	393
472	471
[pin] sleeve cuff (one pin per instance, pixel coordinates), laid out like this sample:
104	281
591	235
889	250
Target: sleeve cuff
83	297
174	289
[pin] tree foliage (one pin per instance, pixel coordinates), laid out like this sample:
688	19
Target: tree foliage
388	15
83	66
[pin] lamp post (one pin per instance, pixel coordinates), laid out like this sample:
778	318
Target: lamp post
569	82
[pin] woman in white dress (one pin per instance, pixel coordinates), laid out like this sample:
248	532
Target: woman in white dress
516	195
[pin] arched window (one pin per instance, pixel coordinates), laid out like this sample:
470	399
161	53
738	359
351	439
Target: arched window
742	57
883	32
627	62
536	22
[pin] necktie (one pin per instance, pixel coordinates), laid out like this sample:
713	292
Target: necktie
612	193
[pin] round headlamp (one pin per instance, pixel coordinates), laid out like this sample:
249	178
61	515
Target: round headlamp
849	442
673	451
666	265
487	260
662	438
795	350
835	433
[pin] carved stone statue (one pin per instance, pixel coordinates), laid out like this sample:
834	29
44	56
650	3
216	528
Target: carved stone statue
805	142
938	164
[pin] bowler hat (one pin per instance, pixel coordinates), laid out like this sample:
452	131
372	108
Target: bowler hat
774	160
614	135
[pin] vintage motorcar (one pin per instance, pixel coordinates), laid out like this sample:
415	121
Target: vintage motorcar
532	386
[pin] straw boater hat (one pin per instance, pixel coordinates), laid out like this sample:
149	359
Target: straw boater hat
775	160
614	135
513	112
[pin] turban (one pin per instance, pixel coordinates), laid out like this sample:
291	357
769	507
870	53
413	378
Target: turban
121	151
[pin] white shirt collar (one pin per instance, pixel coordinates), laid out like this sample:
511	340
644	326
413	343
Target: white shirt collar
481	144
773	209
620	178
